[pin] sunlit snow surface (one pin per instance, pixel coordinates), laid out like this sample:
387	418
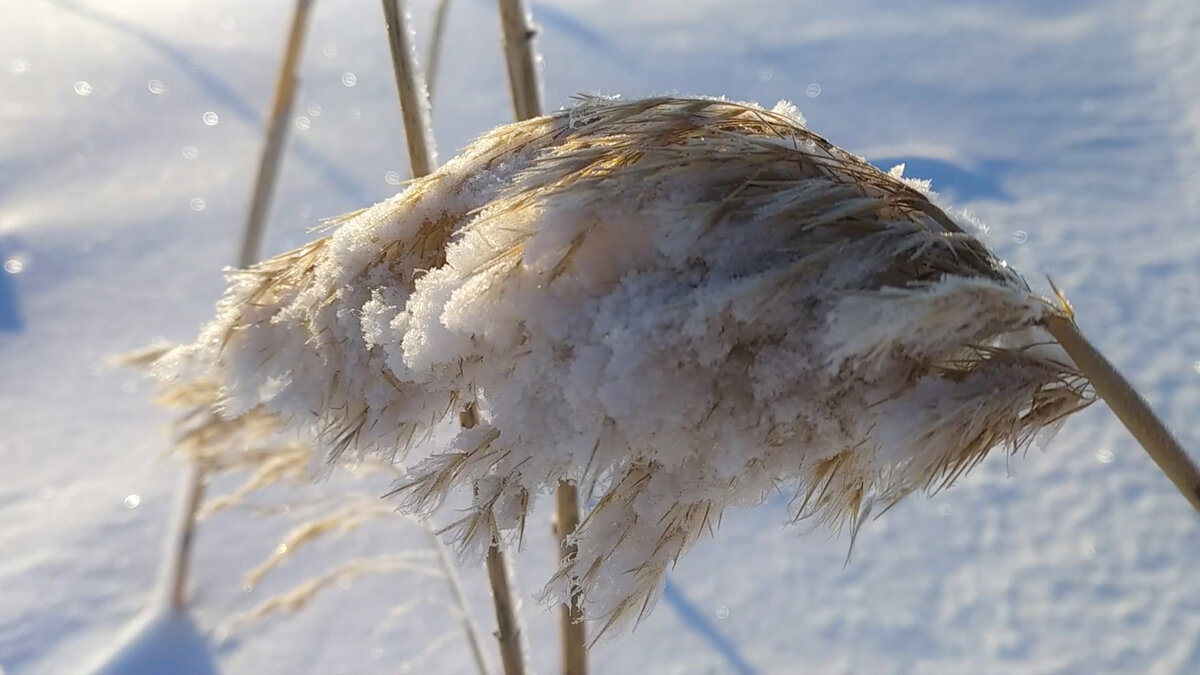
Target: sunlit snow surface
129	132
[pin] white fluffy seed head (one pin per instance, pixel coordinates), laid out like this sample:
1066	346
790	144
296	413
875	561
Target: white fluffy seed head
678	304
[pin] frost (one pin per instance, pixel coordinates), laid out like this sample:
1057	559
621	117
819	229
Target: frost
790	111
678	304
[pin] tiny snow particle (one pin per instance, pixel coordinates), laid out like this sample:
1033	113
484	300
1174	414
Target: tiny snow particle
1087	547
197	204
83	88
1105	456
210	118
722	612
813	90
18	66
349	79
303	123
1020	237
313	109
129	386
329	49
190	152
392	178
14	266
156	87
765	74
132	501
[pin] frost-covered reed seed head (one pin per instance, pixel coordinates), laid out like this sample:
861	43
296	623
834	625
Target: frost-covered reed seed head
680	305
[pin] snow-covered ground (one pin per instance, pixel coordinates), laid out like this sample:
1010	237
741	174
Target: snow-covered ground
129	132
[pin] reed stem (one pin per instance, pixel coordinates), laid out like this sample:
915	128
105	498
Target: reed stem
519	54
1133	410
572	630
414	106
410	84
179	564
277	126
179	552
508	631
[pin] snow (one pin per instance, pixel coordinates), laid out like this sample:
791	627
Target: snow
1069	128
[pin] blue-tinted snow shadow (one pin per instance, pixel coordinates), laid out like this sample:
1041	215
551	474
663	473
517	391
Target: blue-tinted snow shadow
698	622
10	314
957	183
216	87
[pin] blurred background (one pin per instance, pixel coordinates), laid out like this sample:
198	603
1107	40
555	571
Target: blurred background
130	131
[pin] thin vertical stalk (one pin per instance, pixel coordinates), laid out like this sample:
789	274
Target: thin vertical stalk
520	56
573	632
277	126
183	532
410	84
414	106
179	564
508	630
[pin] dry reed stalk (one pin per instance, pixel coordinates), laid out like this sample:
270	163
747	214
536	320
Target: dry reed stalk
277	126
414	105
519	55
572	630
410	85
1130	408
180	550
268	170
527	103
508	630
